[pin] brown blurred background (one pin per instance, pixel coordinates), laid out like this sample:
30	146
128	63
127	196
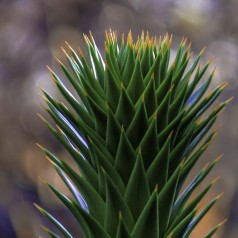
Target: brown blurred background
31	34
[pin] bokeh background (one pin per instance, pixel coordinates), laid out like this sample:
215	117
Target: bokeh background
31	34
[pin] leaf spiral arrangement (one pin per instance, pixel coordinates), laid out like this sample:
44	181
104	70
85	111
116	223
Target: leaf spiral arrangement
135	132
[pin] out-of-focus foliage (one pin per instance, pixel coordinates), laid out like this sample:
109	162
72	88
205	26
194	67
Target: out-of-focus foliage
32	31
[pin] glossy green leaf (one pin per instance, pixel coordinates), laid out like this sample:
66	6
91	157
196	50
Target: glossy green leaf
122	231
112	133
165	86
104	163
70	131
163	111
136	79
165	60
199	217
112	60
138	125
90	226
192	96
215	229
150	98
62	229
137	187
157	173
125	155
204	104
148	222
50	233
96	60
100	117
183	212
125	109
152	70
166	200
183	224
94	201
149	144
129	67
113	90
115	204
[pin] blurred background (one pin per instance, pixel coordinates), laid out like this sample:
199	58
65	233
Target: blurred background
31	34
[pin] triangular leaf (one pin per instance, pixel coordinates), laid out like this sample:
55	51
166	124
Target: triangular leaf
137	187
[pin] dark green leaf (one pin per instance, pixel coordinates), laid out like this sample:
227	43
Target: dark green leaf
137	187
148	222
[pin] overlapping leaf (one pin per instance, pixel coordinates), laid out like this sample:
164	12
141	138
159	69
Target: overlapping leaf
134	132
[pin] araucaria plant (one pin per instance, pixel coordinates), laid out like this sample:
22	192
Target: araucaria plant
135	131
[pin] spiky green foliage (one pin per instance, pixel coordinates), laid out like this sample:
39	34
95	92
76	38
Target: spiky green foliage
134	131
